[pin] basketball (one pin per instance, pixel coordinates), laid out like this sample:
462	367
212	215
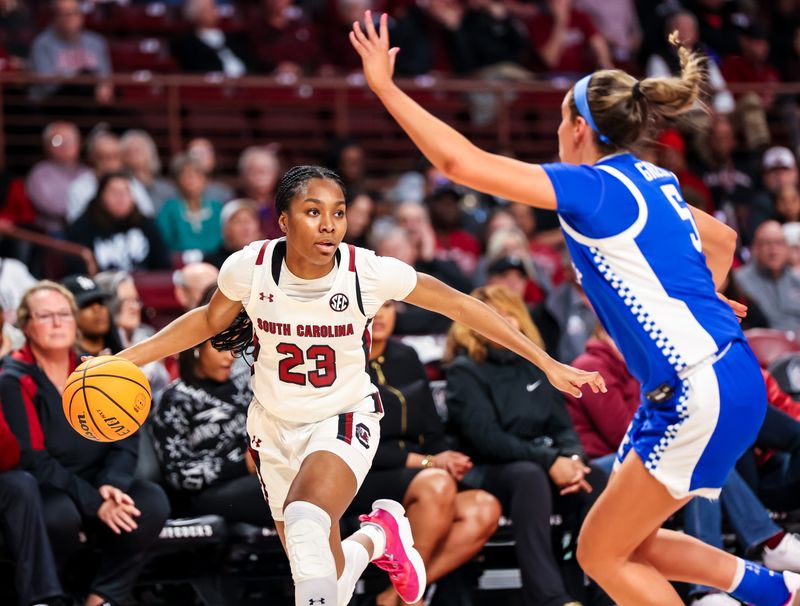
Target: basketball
106	399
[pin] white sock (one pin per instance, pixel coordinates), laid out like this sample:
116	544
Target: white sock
356	560
375	534
316	592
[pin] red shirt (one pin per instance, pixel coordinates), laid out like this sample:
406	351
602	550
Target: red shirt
736	68
548	259
9	447
461	247
782	401
577	56
601	419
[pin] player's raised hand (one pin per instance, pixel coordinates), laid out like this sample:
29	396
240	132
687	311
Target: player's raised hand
373	47
569	380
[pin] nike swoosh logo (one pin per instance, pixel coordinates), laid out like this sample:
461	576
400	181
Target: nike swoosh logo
532	386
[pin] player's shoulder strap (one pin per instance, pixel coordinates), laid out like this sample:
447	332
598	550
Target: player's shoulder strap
352	267
261	252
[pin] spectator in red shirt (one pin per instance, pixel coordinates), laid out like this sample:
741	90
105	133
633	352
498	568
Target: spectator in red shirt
671	154
602	419
567	40
85	486
452	241
284	40
752	65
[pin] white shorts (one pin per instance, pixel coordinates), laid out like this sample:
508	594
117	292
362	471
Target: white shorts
279	447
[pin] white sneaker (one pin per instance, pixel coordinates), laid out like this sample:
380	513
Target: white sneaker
792	581
716	599
786	556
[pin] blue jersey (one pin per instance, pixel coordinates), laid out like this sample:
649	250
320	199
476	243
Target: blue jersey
637	253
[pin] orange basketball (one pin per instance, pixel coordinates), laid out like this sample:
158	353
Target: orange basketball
106	399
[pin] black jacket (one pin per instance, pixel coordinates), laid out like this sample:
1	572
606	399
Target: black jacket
505	410
54	453
200	431
126	245
410	422
412	320
194	55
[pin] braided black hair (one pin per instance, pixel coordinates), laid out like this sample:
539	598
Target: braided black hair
295	180
237	338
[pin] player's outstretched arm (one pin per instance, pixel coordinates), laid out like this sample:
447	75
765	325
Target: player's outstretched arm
436	296
446	148
186	331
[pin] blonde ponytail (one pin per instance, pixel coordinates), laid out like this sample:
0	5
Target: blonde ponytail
670	97
624	110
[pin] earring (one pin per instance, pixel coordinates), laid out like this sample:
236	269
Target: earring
196	353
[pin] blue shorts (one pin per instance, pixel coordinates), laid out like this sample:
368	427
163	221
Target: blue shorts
691	442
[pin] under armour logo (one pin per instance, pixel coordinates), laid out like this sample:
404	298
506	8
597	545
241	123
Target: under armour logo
269	297
312	601
256	442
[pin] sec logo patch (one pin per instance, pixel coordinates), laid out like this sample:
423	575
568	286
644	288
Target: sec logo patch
339	302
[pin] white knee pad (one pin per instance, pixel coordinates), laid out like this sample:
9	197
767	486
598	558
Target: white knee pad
307	530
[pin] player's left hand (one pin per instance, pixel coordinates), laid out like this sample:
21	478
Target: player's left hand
569	380
740	309
373	48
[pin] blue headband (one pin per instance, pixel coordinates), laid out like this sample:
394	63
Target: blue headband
582	103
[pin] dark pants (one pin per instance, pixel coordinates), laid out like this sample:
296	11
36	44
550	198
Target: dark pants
777	482
123	556
239	500
529	499
26	538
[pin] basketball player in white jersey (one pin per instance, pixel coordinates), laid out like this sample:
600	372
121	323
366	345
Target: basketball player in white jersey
305	302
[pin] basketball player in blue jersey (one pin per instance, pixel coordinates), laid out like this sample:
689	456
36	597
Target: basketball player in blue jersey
306	302
650	266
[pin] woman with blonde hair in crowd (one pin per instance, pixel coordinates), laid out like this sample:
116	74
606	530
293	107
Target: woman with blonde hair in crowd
516	429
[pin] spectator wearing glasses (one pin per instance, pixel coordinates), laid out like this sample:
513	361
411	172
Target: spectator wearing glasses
85	486
769	281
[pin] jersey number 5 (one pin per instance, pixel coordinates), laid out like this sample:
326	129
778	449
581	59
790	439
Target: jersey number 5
684	212
322	376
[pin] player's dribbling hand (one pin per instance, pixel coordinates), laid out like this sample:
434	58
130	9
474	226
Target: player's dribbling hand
373	48
569	380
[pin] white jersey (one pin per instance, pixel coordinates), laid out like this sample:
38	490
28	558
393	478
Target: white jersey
310	356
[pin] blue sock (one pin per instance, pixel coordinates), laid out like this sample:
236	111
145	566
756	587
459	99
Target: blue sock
759	586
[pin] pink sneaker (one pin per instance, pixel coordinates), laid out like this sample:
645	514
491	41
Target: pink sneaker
403	563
